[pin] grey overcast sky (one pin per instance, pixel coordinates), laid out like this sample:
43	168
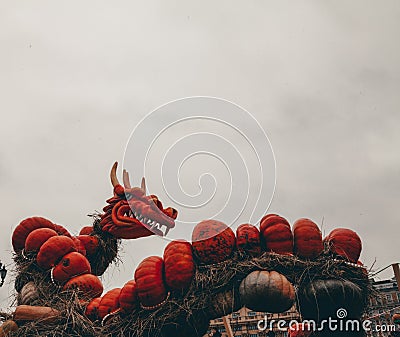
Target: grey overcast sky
321	77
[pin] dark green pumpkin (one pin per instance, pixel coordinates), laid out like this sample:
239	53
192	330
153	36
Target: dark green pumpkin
224	303
321	299
194	325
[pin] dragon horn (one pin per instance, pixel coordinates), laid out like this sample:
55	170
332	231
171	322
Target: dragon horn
113	175
143	185
125	178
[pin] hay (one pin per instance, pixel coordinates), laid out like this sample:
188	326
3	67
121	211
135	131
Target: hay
72	321
212	279
107	251
182	312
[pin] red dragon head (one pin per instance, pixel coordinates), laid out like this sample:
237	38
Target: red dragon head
132	214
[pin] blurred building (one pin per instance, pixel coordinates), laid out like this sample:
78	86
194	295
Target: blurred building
244	323
382	307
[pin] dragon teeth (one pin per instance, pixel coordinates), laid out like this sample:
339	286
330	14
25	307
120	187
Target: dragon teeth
166	231
155	225
151	223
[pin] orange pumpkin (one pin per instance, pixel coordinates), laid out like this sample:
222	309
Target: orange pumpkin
179	264
213	241
79	246
109	302
53	250
28	313
128	298
71	265
92	309
87	230
344	242
37	238
268	216
276	234
149	277
307	239
248	239
61	230
7	328
88	284
26	226
91	243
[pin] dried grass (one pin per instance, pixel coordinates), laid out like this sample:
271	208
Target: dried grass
107	252
189	310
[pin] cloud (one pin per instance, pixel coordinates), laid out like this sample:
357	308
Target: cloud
321	78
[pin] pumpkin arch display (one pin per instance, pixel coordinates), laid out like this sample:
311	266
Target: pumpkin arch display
307	239
177	294
267	291
213	241
276	234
